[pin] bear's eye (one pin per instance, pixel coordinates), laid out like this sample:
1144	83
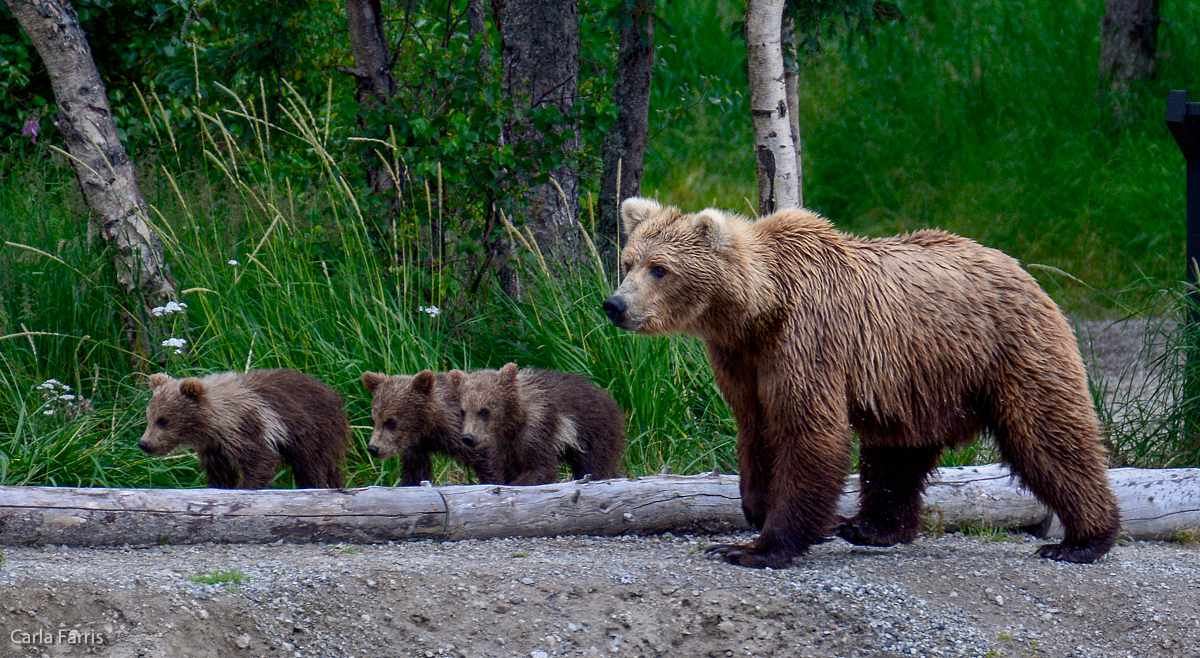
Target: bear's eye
658	271
484	413
161	422
389	424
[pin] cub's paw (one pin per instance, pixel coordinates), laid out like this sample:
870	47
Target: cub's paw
1081	553
747	555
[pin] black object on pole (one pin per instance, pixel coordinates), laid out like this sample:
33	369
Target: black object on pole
1183	118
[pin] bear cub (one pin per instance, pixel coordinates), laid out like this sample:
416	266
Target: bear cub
415	416
243	426
530	419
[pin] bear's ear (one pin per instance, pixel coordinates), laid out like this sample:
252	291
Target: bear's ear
372	380
508	374
158	379
455	378
192	387
712	227
423	382
636	210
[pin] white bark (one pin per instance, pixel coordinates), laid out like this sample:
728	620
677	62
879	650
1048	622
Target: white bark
1155	504
774	147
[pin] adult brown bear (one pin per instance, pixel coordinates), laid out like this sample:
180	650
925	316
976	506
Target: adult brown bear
917	342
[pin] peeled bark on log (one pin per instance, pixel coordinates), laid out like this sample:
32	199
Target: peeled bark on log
774	149
102	165
1155	504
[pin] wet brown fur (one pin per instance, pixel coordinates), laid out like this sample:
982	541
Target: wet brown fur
416	417
242	426
534	418
917	342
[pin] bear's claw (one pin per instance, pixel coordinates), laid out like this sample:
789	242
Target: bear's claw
1084	553
746	555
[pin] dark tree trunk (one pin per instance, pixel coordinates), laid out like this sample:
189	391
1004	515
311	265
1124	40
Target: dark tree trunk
1128	45
477	29
102	165
625	142
539	54
376	86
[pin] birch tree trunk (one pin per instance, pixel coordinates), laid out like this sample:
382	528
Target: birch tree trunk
774	149
539	54
791	84
102	165
625	143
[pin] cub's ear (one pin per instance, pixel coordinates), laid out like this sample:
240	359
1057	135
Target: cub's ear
636	210
372	380
508	374
456	378
158	379
712	227
192	387
423	382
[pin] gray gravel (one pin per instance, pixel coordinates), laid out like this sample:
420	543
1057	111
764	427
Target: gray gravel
951	595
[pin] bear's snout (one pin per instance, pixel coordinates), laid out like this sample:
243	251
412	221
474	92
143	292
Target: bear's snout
614	307
144	445
469	440
373	451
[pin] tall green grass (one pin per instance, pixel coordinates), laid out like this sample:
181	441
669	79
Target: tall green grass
979	117
277	272
976	116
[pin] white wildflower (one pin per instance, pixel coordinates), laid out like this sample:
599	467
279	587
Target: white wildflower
171	307
48	385
233	263
48	412
432	311
177	343
67	396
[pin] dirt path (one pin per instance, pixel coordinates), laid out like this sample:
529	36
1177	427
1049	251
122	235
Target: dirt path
942	596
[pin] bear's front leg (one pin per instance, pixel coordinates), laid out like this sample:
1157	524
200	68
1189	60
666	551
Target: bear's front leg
807	463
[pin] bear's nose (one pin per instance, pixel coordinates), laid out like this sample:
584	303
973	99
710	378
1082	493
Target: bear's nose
144	445
614	307
469	440
373	451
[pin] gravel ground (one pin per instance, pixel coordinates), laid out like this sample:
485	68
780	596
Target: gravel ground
950	595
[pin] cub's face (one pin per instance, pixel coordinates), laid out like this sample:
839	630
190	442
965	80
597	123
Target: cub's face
401	409
671	268
173	411
486	398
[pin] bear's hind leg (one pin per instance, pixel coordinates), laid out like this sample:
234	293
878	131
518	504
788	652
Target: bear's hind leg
891	481
1058	456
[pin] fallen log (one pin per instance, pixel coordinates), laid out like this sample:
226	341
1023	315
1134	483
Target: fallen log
1155	504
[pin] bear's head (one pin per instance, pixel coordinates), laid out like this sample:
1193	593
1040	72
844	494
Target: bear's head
675	265
175	413
490	404
404	411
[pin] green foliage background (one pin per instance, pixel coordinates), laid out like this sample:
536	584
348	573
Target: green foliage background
978	116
